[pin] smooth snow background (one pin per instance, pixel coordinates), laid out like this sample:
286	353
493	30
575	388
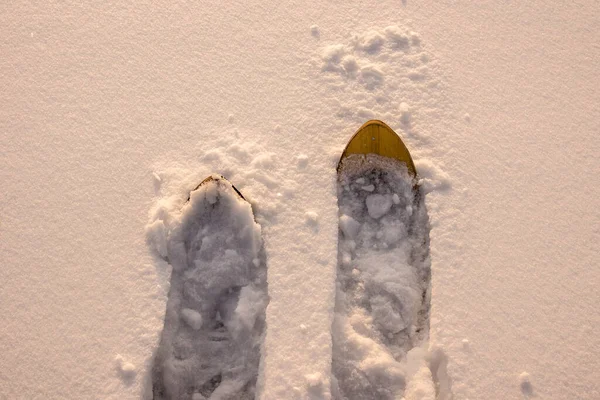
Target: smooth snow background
98	97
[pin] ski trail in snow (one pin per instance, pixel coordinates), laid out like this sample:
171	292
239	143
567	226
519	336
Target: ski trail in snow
215	318
383	283
381	320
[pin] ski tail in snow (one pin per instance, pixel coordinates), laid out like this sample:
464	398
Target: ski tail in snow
381	319
214	327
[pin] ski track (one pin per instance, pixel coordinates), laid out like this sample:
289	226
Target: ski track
383	280
380	325
215	319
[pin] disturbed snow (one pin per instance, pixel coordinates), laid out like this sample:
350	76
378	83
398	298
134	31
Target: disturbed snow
383	283
215	319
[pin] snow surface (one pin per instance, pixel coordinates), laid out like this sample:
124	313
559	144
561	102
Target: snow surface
108	108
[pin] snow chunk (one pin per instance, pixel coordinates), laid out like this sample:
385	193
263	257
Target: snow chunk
126	369
157	237
252	302
405	115
264	161
192	318
525	383
372	76
302	161
350	65
365	113
419	385
396	198
346	259
397	37
312	218
368	188
433	178
315	31
415	38
386	316
372	42
331	56
349	226
212	155
378	205
314	381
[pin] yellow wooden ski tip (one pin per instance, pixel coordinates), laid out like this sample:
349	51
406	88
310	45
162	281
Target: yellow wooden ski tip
378	138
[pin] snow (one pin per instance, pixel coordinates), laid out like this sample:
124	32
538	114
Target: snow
111	112
383	282
216	289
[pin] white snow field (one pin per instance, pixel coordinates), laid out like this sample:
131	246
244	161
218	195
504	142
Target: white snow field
110	110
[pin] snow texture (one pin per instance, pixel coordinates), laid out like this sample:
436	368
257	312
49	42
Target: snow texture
383	283
112	109
215	319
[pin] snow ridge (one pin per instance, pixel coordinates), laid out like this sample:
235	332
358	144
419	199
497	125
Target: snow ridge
215	319
383	283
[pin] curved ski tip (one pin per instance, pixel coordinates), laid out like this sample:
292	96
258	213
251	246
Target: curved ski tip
376	137
215	178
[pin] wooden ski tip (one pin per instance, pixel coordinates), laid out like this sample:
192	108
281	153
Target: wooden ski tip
376	137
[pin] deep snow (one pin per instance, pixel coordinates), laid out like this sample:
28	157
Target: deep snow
107	108
383	283
214	326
